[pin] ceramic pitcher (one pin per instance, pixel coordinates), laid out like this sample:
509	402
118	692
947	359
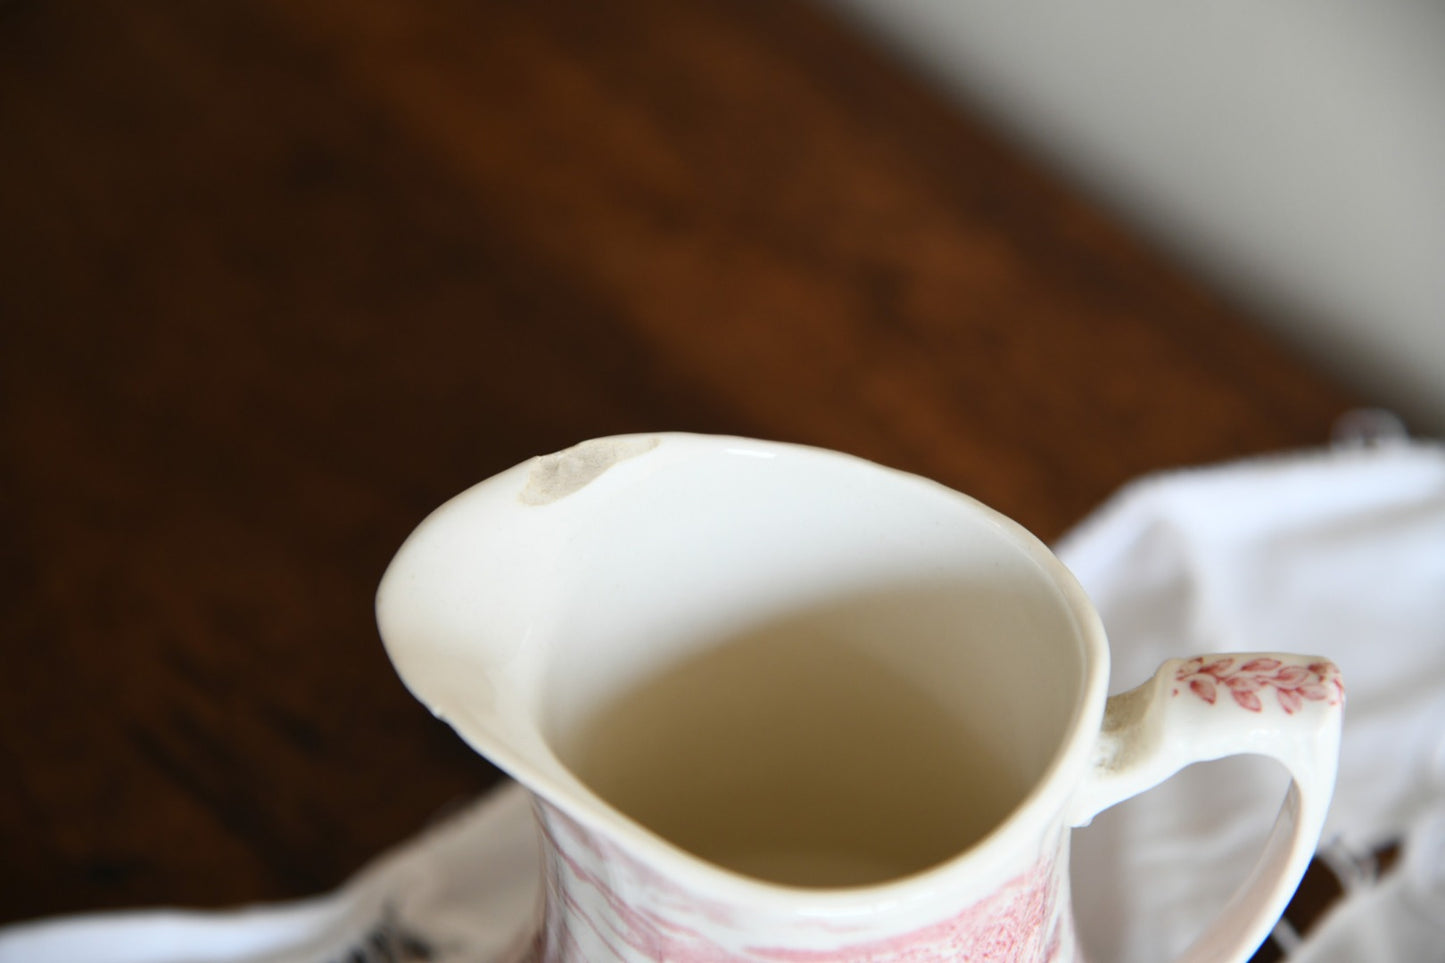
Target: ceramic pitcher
782	705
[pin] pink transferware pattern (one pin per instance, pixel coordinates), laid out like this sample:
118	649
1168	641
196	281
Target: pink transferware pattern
1020	921
1293	681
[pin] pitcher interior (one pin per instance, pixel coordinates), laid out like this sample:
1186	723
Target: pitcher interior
807	670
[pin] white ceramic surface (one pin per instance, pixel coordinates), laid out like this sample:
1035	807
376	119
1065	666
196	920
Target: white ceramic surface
521	607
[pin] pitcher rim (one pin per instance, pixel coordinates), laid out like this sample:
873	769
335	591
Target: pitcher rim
1045	802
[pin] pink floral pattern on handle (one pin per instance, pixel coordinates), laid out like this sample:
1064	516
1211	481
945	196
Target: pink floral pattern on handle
1248	679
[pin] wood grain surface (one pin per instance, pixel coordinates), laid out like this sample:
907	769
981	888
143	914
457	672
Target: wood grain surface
277	278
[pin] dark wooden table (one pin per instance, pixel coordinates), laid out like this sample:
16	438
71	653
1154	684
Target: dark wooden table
277	278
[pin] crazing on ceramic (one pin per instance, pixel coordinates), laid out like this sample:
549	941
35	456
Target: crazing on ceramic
474	609
1293	680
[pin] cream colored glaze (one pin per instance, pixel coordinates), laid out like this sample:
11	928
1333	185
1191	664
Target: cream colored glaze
794	757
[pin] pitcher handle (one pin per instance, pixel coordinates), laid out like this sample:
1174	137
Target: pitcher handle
1286	707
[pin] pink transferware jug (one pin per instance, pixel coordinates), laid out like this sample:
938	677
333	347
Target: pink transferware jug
781	705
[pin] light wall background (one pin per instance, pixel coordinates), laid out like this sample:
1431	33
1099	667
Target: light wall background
1290	151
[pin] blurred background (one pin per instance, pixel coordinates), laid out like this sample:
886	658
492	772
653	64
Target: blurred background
1293	154
278	278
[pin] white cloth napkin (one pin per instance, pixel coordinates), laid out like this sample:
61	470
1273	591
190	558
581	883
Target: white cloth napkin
1338	552
463	891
